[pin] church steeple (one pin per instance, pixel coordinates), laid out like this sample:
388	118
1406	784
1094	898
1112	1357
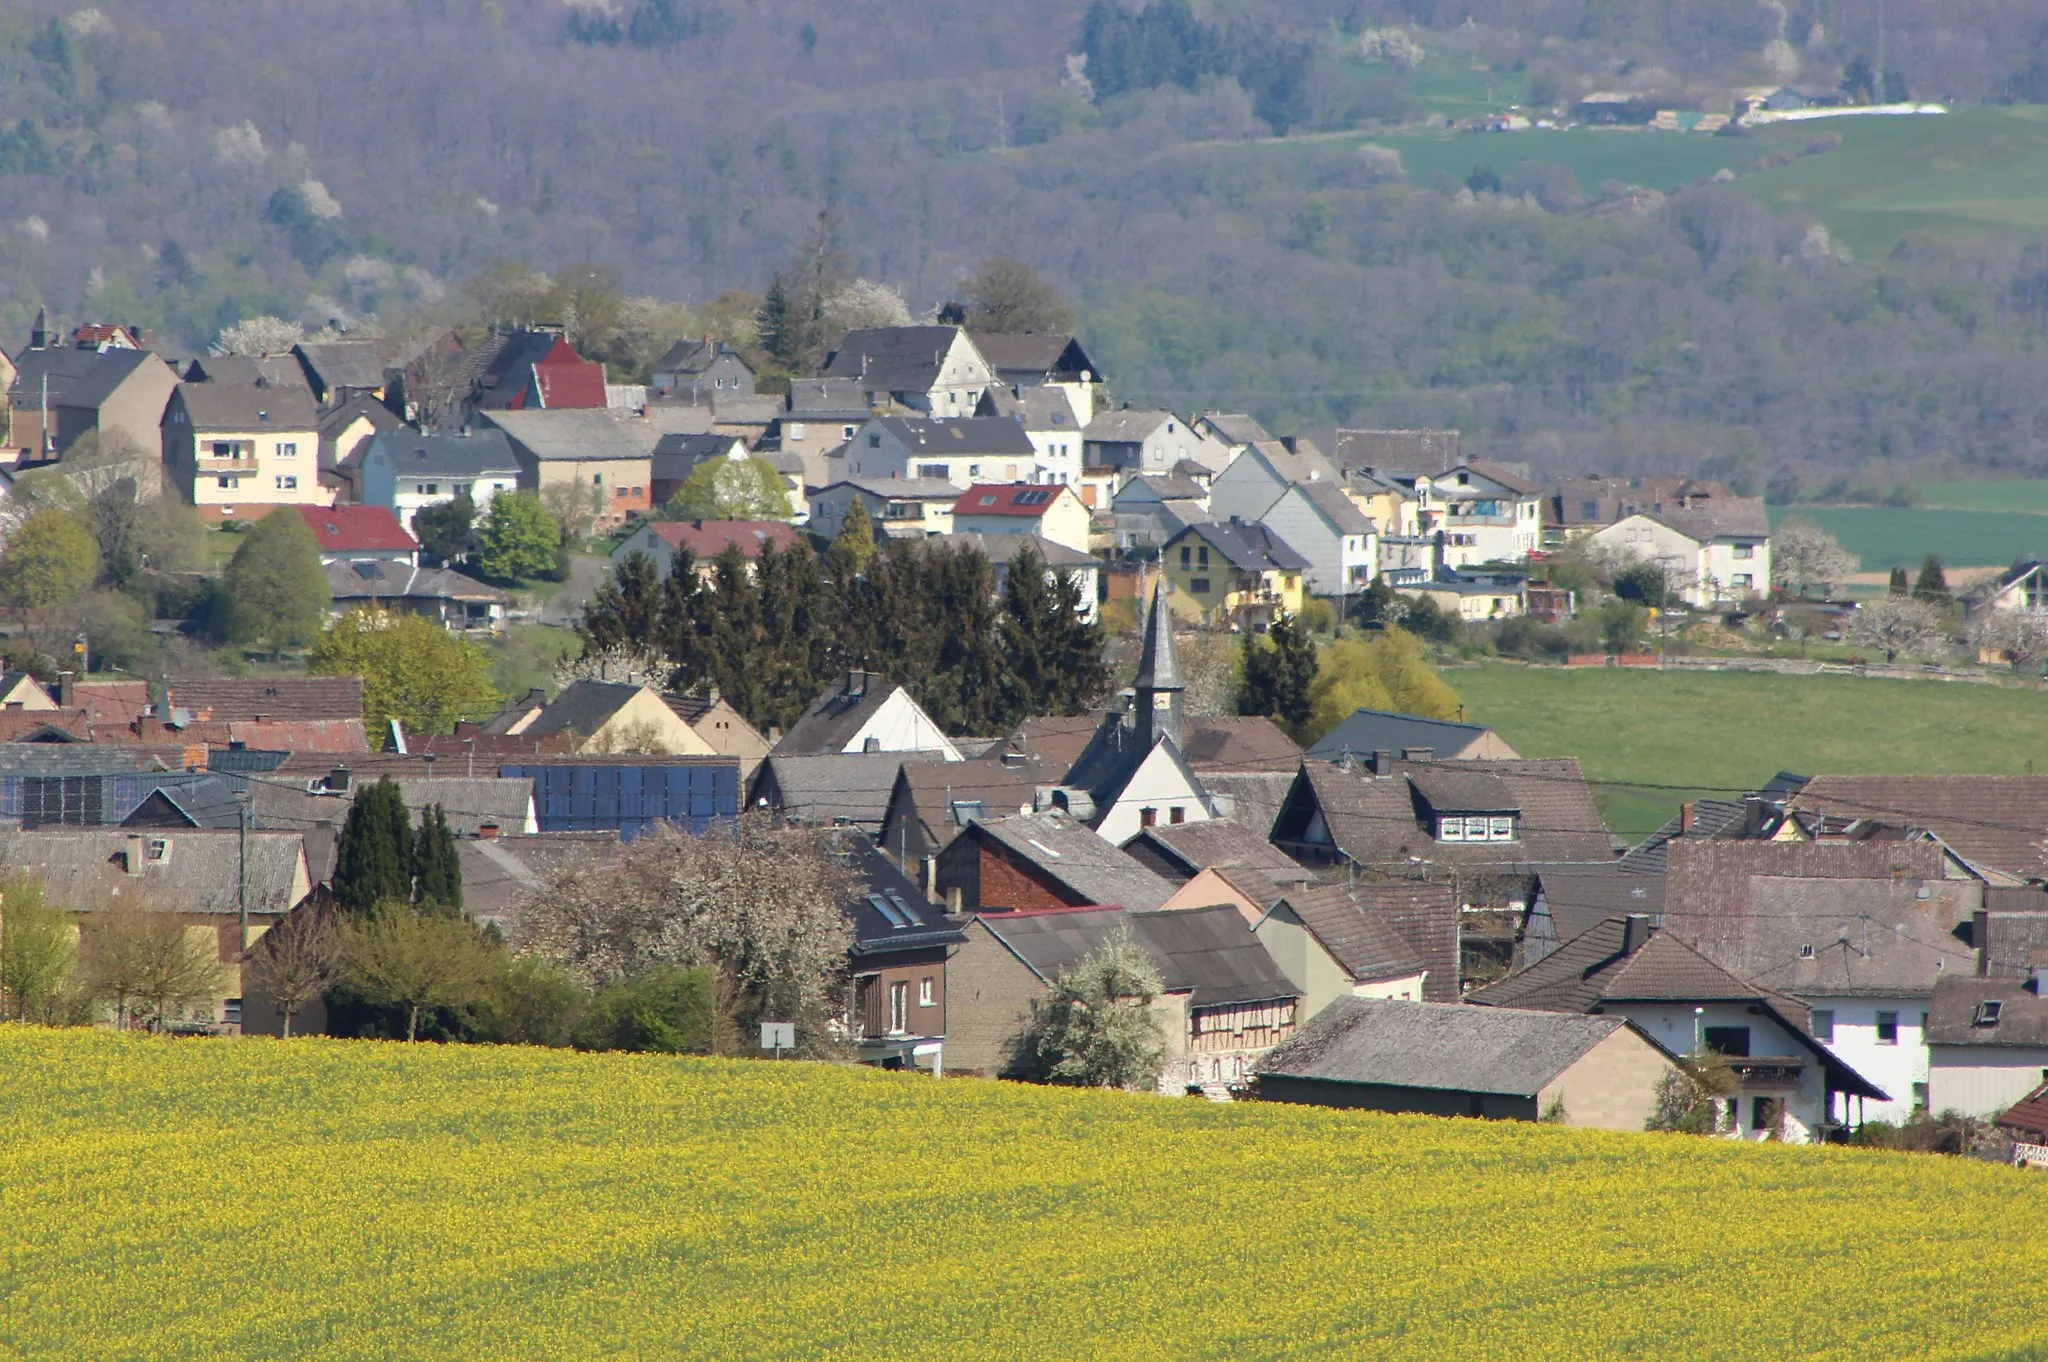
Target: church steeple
1159	684
39	339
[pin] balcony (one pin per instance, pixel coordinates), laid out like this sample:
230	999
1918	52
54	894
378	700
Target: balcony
1774	1071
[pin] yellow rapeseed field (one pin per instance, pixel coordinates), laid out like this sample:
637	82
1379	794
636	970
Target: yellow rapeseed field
326	1199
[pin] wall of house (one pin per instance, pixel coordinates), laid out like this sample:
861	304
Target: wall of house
1386	1097
283	469
645	723
988	1005
1900	1068
613	486
899	725
1671	1026
1296	520
924	998
725	731
1245	489
1983	1080
1724	565
1641	538
410	496
1160	785
1612	1086
136	408
986	878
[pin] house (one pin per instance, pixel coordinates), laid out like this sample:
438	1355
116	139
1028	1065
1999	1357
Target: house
865	712
694	371
1790	1085
601	458
1991	823
929	802
471	804
2026	1122
722	728
706	540
1052	417
935	370
534	369
1486	513
1002	549
1493	596
248	698
1050	512
1369	451
1235	431
1039	861
345	431
1322	524
959	450
833	789
1385	500
1143	440
1153	507
60	392
340	371
818	414
1717	551
1444	1059
896	963
628	793
1583	505
1360	940
1033	359
1182	851
1568	899
20	690
360	533
1365	732
614	716
677	456
444	595
1987	1028
1259	476
2022	587
910	508
1222	744
1234	573
405	470
240	450
269	371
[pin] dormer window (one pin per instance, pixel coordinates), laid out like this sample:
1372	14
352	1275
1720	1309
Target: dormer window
1987	1013
1476	827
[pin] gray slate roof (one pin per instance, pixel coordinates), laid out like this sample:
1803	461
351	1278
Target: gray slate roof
836	716
1235	428
379	579
821	789
1365	731
1255	796
447	454
1209	954
497	873
248	406
956	435
1340	510
584	707
343	364
468	801
1952	1019
577	434
1246	547
1077	856
1445	1047
202	873
78	378
1393	449
1383	930
892	358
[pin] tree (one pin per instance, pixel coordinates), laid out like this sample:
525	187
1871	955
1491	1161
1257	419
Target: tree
1278	672
1897	624
444	528
1642	583
1008	295
49	560
436	868
373	861
296	961
1897	584
145	962
1621	625
855	541
413	670
1932	583
864	303
518	538
2019	637
1098	1029
732	489
259	336
792	319
37	948
529	1001
274	590
624	616
1053	657
668	1010
1388	672
1689	1097
400	956
1804	555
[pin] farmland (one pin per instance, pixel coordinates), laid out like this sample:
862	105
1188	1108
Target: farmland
331	1199
1716	732
1885	537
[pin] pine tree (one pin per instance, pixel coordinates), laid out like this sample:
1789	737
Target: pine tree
1932	584
1030	626
436	867
625	610
373	862
1278	673
1898	582
683	624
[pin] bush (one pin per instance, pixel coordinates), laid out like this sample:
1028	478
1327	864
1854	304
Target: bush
1533	639
530	1002
668	1010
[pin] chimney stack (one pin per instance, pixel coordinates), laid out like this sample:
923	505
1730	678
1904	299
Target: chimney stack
1382	760
338	780
1418	754
1635	931
67	690
1685	818
487	831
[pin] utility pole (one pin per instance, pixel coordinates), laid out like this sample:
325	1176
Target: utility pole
242	869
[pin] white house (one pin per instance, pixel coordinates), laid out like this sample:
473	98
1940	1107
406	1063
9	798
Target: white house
1134	440
1325	526
1717	551
1256	479
1051	512
1053	416
962	451
902	508
864	712
409	470
1486	513
1002	548
931	369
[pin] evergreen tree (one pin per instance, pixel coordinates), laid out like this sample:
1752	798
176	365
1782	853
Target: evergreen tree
1898	582
856	538
1278	673
732	635
1932	584
625	610
374	861
436	868
683	624
1030	623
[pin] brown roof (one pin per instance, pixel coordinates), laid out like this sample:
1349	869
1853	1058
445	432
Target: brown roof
112	702
1051	744
1514	482
269	697
1997	823
1380	930
1239	744
1607	965
1384	819
327	736
1409	450
250	406
1254	797
1588	502
2028	1116
1957	1016
1720	518
1186	849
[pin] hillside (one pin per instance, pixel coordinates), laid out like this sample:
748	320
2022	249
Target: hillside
333	1199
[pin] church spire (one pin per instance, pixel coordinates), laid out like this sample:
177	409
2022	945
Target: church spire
39	339
1159	683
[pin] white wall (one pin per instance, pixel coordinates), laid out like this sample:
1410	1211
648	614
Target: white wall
1671	1026
1158	784
1983	1080
410	498
901	726
1245	489
1895	1068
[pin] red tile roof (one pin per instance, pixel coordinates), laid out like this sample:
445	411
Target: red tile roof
566	379
112	702
1025	500
358	529
708	538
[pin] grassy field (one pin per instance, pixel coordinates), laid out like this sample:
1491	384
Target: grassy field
1885	536
328	1199
524	656
1717	732
2015	494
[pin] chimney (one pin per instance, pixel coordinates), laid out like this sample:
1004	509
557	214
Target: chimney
338	780
1685	818
1980	937
487	831
1418	754
1635	931
1382	760
871	744
67	690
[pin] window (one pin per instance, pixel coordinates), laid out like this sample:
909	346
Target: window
1744	580
1824	1025
925	992
1806	952
288	450
430	489
974	470
718	383
225	482
1178	814
1501	829
934	470
461	489
231	1010
287	482
874	442
1732	1041
1887	1028
1202	555
157	849
1033	498
1745	550
621	491
1199	585
1589	510
1919	1097
1148	818
1987	1013
846	432
899	1007
597	479
1763	1113
1450	830
1186	555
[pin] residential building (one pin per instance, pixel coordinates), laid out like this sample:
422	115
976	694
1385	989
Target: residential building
1492	596
1037	861
535	369
1487	514
629	794
1234	573
1049	512
818	414
1034	359
345	431
1791	1086
60	392
907	508
238	451
962	451
1002	549
1366	732
20	690
935	370
269	371
406	470
359	534
448	597
2022	587
865	712
1141	440
1987	1038
722	728
614	716
1990	823
249	698
1236	432
678	456
1385	500
1372	450
1717	551
1582	506
1496	1063
340	371
601	459
896	963
1182	851
832	789
1319	522
930	802
1152	508
706	540
696	371
1053	418
1256	479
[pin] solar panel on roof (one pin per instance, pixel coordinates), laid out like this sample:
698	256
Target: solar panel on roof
903	907
888	912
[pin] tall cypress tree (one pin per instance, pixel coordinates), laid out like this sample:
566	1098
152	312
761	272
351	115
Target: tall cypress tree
1278	674
1932	583
374	860
437	869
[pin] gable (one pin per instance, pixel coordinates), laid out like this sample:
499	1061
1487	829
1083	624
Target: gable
899	724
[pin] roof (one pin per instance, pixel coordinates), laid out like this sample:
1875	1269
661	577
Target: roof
1254	796
77	378
1462	790
1302	464
958	435
1211	954
1365	731
1246	547
1719	518
1493	472
469	802
378	579
1395	449
577	435
835	717
1605	965
1957	1015
249	406
1238	743
203	873
2029	1115
1382	930
1051	943
822	399
268	697
1076	856
322	736
1994	822
827	788
276	371
695	356
1163	487
900	489
1340	510
343	364
499	871
1612	499
1020	501
1000	549
886	909
1578	898
949	794
678	453
1041	409
583	707
892	358
1236	428
111	702
1049	743
1126	425
1216	842
1034	352
1440	1046
706	539
469	453
358	529
1158	668
1703	818
1383	819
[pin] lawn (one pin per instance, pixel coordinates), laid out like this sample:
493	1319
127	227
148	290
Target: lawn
331	1199
1885	536
1710	734
2014	494
524	656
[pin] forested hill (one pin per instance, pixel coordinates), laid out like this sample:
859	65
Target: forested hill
184	166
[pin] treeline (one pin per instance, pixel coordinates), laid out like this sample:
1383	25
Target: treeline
1165	44
772	633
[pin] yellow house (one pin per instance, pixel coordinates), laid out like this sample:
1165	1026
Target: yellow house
615	716
19	690
1052	512
240	450
1234	574
1391	506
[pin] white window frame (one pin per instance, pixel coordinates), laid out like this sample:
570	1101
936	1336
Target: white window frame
925	992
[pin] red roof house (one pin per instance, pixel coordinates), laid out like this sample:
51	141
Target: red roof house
540	370
352	533
706	539
1049	510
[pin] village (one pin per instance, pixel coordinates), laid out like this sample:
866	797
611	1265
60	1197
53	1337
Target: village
1402	913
